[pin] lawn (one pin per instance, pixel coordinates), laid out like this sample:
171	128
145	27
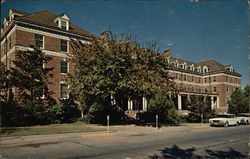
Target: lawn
51	129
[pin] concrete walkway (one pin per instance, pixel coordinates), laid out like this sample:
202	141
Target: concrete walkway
124	131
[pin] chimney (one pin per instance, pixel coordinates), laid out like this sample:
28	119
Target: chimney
167	53
104	35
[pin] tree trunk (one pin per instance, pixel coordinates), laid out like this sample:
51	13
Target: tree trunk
81	112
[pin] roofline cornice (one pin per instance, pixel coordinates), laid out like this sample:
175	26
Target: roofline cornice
204	74
80	35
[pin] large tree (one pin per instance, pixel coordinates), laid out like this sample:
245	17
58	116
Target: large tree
239	101
117	68
29	79
30	76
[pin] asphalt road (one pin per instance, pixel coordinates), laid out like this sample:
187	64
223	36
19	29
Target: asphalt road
190	141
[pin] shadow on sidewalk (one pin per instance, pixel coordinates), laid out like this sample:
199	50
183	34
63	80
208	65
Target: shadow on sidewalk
176	152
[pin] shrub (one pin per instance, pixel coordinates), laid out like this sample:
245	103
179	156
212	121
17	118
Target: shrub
96	114
162	106
55	113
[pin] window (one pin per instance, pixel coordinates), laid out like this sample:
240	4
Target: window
205	80
205	90
176	76
214	79
185	77
39	40
199	80
193	90
226	78
63	25
64	89
192	78
64	67
64	45
227	89
214	89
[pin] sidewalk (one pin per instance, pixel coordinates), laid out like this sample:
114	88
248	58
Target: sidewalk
126	130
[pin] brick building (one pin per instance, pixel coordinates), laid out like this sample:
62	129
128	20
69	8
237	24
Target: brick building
207	78
52	33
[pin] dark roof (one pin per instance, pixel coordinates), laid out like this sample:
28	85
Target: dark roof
19	11
212	65
46	18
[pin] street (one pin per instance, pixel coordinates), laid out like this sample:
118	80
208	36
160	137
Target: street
134	142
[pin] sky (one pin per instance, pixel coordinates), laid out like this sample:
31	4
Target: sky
195	31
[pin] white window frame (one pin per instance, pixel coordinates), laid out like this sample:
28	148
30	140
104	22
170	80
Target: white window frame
60	88
67	46
43	40
67	67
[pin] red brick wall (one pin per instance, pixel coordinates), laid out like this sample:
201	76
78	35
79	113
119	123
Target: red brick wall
24	38
52	44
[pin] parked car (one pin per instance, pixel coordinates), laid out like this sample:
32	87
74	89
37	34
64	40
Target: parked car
244	118
224	120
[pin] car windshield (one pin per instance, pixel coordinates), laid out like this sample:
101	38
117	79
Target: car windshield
223	116
243	115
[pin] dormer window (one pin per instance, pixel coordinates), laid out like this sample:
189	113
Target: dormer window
205	69
229	68
62	21
63	25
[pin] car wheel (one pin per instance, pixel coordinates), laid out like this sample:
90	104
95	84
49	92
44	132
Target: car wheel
226	124
237	123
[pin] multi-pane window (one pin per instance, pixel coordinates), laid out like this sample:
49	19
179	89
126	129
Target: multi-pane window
64	45
63	25
64	89
214	79
39	40
64	67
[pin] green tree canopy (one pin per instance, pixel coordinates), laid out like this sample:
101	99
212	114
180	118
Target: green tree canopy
30	76
117	67
199	107
240	101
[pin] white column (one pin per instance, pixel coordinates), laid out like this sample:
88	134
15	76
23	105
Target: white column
217	102
179	102
212	102
144	104
129	105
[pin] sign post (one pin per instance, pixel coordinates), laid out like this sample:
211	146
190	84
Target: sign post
156	121
107	123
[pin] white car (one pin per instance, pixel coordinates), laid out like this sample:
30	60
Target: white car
244	118
224	120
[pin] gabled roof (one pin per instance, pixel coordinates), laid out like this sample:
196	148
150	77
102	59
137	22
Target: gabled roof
18	11
46	18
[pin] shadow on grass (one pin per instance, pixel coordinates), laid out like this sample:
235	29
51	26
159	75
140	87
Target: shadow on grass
176	152
8	130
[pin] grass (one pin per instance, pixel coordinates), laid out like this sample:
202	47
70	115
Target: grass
51	129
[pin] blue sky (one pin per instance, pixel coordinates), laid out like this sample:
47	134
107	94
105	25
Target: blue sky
196	31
